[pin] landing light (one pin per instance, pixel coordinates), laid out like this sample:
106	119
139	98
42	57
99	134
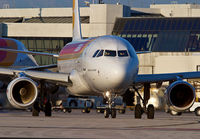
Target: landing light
108	94
155	90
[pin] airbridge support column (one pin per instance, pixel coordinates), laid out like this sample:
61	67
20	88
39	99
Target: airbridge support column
146	93
1	29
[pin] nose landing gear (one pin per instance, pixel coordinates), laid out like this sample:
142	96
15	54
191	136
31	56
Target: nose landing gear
110	108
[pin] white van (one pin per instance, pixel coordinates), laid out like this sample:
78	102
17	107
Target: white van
196	108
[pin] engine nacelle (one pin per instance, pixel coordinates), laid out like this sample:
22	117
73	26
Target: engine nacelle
180	96
22	92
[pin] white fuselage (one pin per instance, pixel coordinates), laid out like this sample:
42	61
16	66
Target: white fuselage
113	68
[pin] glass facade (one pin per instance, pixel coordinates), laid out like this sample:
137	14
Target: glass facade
160	34
48	45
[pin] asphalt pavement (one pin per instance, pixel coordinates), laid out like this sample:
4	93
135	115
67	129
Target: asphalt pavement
20	124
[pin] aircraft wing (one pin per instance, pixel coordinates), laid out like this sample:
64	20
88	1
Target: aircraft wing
153	78
28	52
55	77
41	67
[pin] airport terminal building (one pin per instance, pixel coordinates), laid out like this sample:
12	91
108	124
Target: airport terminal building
170	31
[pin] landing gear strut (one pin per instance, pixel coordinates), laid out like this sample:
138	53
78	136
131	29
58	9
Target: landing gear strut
47	109
35	109
43	103
110	109
148	110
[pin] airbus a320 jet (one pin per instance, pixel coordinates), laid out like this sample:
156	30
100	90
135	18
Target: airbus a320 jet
101	66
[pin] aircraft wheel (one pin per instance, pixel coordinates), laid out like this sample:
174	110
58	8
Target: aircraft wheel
197	111
35	109
150	112
106	113
122	111
113	113
179	113
69	110
138	111
48	110
87	110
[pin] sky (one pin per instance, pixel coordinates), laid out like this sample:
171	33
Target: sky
68	3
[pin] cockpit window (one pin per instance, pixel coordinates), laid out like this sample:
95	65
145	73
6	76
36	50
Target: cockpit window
110	53
122	53
100	53
95	53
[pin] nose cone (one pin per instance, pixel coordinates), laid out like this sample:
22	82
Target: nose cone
116	76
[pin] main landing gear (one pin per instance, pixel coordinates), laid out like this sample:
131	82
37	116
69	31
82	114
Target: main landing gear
43	103
148	110
37	107
110	109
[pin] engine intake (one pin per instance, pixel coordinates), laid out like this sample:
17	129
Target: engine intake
22	92
180	96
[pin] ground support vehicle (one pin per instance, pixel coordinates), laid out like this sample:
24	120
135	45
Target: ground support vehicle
196	108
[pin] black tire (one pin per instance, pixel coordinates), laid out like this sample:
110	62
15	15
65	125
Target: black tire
150	112
69	110
87	110
101	111
48	110
35	109
138	111
197	111
122	111
106	113
113	113
179	113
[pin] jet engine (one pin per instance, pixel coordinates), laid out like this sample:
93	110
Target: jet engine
180	96
22	92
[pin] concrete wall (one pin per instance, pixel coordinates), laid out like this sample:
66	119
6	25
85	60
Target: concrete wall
37	12
168	62
102	18
41	30
178	10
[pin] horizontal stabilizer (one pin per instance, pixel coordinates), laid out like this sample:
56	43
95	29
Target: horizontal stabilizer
28	52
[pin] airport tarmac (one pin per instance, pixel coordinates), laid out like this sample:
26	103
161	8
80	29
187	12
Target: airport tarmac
21	124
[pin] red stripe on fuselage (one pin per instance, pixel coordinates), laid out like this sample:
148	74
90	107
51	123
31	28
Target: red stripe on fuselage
75	49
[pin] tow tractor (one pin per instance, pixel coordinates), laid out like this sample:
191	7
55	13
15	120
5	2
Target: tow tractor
88	103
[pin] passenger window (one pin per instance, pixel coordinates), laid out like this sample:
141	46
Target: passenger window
122	53
110	53
95	53
100	53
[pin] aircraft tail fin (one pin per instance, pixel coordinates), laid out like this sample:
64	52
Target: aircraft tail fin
77	35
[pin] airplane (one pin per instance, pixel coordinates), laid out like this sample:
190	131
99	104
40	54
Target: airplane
100	66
